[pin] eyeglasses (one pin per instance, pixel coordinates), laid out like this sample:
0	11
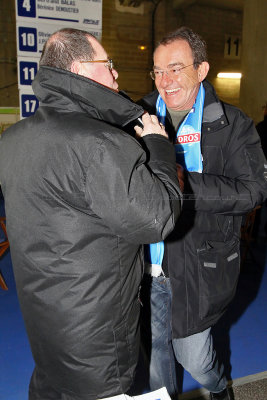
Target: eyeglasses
108	63
171	72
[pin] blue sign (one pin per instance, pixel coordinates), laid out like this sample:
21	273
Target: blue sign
27	39
26	8
29	105
36	21
27	72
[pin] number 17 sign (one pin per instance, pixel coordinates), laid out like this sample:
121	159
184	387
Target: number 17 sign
28	104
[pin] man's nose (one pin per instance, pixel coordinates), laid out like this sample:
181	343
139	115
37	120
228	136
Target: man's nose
114	73
166	79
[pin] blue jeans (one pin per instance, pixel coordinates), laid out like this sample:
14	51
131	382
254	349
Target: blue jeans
195	353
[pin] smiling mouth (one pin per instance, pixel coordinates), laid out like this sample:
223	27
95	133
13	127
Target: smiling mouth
172	91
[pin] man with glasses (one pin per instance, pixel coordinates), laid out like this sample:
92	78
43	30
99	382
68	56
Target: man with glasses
192	275
81	198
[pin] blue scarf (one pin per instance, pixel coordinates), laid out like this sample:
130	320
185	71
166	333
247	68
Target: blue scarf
188	154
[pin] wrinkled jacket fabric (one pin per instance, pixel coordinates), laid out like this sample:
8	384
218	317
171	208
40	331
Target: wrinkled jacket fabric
80	200
202	254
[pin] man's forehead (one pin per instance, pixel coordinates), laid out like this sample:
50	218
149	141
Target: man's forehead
174	53
173	47
99	49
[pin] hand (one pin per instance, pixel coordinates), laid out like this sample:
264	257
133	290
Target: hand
180	175
151	126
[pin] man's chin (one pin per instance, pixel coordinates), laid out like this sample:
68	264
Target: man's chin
172	105
114	87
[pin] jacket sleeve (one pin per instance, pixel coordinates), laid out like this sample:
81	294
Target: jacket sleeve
139	200
243	184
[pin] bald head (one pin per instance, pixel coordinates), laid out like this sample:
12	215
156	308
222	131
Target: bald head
67	45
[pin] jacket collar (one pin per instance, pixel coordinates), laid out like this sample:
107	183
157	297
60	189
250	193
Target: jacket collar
70	92
214	117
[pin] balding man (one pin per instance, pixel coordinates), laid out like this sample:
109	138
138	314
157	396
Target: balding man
81	199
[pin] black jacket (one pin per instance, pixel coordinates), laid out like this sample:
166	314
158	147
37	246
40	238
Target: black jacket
262	131
80	200
202	253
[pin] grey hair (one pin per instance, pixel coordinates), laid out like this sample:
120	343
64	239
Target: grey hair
196	43
65	46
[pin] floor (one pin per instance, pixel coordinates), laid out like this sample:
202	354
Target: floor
240	336
256	390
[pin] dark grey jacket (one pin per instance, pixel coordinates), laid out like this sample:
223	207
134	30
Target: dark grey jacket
80	200
202	253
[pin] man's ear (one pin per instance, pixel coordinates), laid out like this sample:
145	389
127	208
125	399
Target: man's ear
203	70
76	67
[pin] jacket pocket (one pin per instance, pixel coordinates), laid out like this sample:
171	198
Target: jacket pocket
218	265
